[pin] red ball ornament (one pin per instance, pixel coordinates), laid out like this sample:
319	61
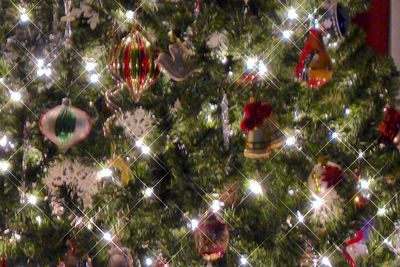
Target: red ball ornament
211	238
360	201
132	62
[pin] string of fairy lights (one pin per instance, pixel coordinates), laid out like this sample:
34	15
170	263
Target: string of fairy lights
252	64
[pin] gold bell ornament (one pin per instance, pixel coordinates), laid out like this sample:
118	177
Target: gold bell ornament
263	135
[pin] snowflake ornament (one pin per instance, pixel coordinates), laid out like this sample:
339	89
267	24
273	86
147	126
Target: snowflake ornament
83	179
135	124
218	43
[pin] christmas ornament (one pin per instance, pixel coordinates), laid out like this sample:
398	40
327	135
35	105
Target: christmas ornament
119	167
175	64
65	125
81	178
211	238
218	43
389	128
135	124
322	181
132	62
262	134
314	67
335	21
356	248
120	257
88	13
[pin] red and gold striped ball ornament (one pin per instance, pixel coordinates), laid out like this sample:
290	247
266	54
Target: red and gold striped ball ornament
132	62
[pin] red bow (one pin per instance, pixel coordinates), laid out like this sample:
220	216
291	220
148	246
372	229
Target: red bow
255	114
332	174
390	126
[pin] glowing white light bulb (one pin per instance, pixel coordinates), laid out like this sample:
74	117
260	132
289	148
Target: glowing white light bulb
292	14
40	72
194	224
243	260
145	149
216	205
360	154
3	141
316	24
317	202
300	217
94	78
291	140
104	173
262	69
381	211
387	241
90	66
47	72
148	261
347	111
24	17
32	199
107	236
40	63
251	63
139	143
335	135
4	165
129	14
364	184
224	60
286	34
38	219
148	192
15	96
230	73
255	187
291	192
325	261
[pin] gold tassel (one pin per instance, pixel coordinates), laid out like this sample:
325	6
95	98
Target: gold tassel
317	186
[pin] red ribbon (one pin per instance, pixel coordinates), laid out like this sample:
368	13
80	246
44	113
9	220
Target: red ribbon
255	115
3	261
358	238
390	126
332	174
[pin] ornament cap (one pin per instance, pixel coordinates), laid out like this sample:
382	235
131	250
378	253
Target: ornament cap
323	160
66	101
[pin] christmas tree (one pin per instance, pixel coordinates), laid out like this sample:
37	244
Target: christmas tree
194	133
